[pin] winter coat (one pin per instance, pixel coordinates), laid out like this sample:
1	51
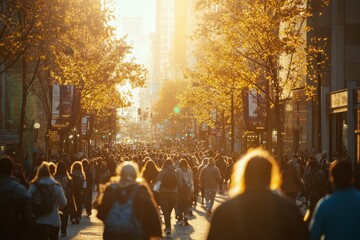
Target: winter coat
60	201
145	208
210	176
15	209
258	214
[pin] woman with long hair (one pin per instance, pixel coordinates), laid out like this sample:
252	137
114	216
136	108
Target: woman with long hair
128	186
150	173
63	177
257	210
47	223
186	191
78	177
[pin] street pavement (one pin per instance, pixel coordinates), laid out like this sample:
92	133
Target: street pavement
91	228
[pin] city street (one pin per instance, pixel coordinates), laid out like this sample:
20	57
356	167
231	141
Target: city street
91	228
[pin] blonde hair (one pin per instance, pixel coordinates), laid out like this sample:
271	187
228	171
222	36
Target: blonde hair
238	184
42	171
127	171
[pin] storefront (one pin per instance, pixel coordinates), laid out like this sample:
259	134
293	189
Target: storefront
344	124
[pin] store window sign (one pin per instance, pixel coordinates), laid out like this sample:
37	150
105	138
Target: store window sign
338	99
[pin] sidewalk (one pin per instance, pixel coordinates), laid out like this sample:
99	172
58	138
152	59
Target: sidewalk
91	228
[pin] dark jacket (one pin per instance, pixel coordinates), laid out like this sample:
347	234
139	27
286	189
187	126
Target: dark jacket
144	207
15	209
258	215
210	176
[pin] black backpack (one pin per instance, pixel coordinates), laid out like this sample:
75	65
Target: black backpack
169	179
121	222
42	199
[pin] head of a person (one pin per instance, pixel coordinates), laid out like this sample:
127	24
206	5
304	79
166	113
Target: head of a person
211	161
61	169
313	163
6	165
183	164
52	168
168	163
205	161
255	170
18	170
150	166
341	174
42	171
128	172
85	163
76	166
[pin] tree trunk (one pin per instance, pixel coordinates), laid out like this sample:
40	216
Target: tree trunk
22	111
223	132
278	122
232	124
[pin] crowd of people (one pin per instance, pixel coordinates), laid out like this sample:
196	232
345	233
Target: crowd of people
137	187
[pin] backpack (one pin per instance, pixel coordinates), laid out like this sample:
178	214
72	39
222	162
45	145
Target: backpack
65	184
121	222
169	179
319	182
42	199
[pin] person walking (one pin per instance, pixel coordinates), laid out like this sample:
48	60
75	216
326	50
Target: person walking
185	193
128	186
63	177
78	177
210	178
15	204
150	173
170	182
315	183
48	198
203	164
336	216
88	186
255	210
291	178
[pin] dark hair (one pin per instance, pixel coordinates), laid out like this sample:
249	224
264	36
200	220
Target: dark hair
61	169
150	171
341	173
183	163
258	172
6	165
85	163
168	163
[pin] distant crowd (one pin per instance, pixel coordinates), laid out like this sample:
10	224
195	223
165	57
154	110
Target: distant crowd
136	187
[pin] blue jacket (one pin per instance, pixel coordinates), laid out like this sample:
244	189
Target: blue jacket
337	216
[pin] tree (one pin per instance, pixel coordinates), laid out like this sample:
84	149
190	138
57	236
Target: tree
168	108
215	87
39	35
100	61
26	26
267	42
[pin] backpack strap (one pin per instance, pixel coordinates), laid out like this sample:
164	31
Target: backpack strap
133	193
